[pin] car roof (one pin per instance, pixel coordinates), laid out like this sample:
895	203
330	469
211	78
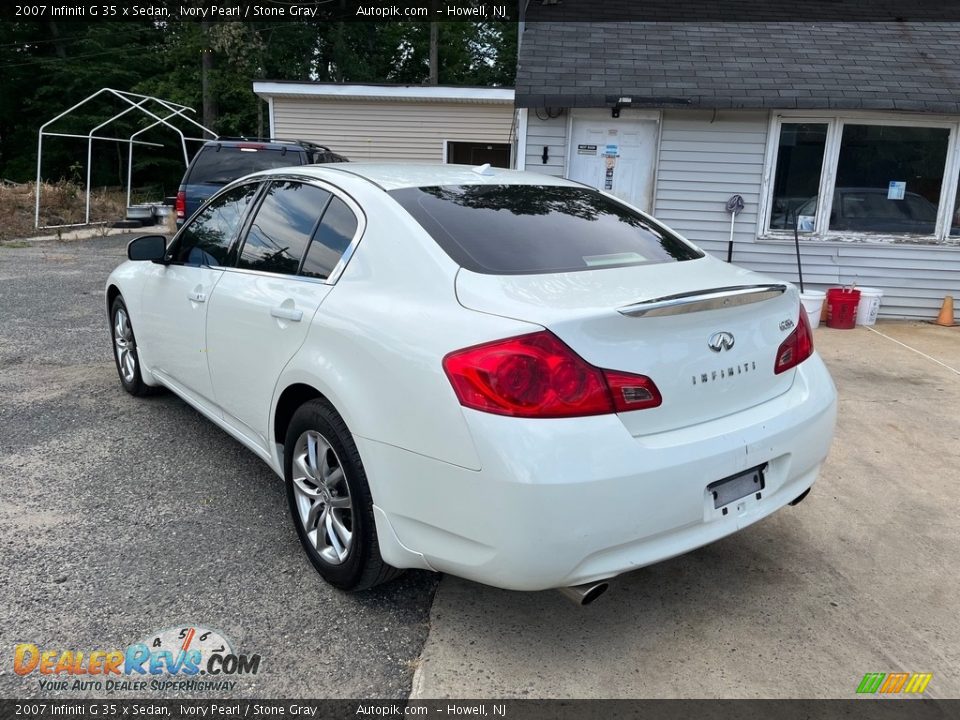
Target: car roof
269	144
394	176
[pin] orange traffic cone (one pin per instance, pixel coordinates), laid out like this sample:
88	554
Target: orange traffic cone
945	318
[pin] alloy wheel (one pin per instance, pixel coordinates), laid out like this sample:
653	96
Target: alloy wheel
324	506
124	345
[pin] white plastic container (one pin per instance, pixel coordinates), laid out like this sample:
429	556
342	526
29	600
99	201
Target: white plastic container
812	301
869	306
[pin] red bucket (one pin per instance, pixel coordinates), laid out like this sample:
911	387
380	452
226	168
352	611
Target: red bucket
842	308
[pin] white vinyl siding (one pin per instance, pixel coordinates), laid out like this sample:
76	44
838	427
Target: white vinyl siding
914	278
380	131
550	133
705	158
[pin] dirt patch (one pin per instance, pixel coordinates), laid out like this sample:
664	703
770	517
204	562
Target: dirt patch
62	203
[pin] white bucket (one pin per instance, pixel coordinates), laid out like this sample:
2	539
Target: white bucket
813	304
869	305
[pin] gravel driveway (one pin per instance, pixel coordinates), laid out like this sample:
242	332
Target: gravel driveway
120	517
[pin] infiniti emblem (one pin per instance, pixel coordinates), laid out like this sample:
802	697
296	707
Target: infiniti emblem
720	341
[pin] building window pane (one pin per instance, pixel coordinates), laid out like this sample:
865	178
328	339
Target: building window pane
796	182
889	179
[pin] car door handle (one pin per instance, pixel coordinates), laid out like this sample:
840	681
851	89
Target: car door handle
285	313
197	296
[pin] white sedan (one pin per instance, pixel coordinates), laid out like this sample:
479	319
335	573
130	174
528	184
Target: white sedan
508	377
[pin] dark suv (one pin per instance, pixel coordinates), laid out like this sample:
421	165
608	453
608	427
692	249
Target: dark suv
221	161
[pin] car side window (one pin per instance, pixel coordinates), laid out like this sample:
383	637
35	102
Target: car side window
282	227
331	240
206	239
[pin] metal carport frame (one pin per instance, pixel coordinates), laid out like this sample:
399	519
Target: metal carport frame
136	102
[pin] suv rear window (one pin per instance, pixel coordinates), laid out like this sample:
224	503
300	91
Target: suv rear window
528	229
226	165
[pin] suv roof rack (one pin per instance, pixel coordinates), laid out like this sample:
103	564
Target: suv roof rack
245	138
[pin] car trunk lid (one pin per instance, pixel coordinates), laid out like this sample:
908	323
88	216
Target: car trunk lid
707	333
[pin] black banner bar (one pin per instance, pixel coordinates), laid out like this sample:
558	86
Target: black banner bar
861	709
805	12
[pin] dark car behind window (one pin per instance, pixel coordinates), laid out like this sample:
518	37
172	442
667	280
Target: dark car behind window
528	229
219	162
221	166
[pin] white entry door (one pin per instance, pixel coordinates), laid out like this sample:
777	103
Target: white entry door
615	154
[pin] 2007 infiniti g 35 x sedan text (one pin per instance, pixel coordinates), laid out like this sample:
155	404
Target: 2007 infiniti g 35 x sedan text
504	376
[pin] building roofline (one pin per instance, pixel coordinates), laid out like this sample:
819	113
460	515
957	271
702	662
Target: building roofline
403	93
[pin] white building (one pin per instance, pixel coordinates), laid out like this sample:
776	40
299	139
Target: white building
395	123
848	129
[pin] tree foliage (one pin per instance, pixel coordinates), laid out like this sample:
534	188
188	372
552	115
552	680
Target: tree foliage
47	66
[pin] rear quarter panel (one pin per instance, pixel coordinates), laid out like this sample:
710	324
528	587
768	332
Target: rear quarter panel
376	345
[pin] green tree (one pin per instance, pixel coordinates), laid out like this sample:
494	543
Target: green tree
45	67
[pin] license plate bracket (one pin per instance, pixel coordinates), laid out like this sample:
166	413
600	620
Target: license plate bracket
734	487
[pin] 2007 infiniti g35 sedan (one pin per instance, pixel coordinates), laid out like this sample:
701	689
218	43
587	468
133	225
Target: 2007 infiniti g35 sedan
508	377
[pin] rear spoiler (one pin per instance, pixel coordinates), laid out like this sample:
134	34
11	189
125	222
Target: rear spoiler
699	300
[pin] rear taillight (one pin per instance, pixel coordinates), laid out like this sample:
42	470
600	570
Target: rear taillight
180	206
537	376
797	347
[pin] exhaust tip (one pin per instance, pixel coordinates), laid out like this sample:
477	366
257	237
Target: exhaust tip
800	498
593	593
584	594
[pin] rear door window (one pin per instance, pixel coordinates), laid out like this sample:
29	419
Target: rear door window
219	167
330	242
282	227
528	229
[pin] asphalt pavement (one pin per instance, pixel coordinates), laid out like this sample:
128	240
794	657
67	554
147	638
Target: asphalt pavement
121	517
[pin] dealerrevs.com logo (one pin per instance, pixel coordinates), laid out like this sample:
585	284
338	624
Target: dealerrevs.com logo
187	659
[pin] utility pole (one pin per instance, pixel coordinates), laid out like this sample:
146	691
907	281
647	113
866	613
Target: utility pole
434	53
206	70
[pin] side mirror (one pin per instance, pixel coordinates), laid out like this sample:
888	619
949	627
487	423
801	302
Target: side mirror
147	247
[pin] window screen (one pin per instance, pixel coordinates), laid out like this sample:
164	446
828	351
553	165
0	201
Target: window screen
282	227
206	239
331	240
526	229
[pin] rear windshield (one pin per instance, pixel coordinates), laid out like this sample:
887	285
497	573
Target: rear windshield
527	229
229	163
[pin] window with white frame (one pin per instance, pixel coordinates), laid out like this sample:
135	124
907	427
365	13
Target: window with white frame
954	221
862	176
796	181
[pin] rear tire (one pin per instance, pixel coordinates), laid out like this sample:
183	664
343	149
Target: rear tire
125	353
330	501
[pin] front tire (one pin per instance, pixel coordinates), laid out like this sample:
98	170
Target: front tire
330	501
125	350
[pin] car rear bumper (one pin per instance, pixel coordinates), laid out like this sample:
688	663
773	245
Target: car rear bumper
568	501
